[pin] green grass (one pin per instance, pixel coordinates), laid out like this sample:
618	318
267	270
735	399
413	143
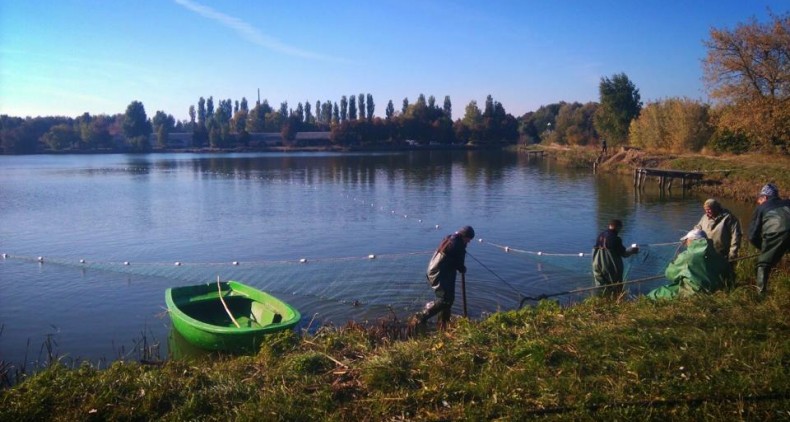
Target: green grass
719	357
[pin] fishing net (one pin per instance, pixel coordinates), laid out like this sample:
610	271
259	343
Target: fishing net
552	273
498	276
392	281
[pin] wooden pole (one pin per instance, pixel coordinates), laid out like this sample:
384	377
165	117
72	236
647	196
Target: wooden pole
219	291
463	291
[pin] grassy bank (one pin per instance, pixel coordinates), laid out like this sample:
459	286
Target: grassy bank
719	357
726	176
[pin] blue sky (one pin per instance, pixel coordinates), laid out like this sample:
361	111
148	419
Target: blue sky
67	57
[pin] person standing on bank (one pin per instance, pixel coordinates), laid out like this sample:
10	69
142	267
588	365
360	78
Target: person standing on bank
607	261
446	261
722	228
769	232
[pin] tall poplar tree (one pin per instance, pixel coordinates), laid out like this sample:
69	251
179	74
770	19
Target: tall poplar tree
352	108
343	109
448	107
371	107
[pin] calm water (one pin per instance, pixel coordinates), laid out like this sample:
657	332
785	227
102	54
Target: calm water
268	212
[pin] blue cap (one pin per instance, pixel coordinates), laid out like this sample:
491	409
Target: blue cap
769	190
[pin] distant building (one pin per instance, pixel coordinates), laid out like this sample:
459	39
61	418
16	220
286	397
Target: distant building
312	139
265	139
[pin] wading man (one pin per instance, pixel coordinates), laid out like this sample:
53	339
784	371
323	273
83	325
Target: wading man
607	262
446	261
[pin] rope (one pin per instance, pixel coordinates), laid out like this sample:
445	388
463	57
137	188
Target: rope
585	289
579	254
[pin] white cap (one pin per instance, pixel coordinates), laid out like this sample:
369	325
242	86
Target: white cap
694	235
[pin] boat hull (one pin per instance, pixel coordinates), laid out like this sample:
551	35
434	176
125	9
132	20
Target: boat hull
199	315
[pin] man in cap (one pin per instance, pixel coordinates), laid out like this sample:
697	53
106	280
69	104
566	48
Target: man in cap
608	254
448	259
697	269
722	228
769	232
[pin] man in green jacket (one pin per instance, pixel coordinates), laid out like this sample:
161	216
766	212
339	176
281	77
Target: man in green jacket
769	231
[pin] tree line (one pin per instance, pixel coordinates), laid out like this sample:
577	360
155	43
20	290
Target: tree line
746	72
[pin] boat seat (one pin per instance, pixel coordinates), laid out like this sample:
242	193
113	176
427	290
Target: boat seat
277	318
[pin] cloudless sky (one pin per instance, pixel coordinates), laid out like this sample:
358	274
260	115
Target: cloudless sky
67	57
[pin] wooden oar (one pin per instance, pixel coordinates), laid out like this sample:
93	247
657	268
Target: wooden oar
219	290
463	290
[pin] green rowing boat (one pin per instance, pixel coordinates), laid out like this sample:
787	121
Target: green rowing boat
227	316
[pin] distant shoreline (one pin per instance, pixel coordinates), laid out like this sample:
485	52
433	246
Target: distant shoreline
207	150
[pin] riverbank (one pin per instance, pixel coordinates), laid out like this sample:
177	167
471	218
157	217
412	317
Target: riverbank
719	357
736	177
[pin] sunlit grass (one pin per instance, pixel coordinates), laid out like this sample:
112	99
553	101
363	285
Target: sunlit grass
719	357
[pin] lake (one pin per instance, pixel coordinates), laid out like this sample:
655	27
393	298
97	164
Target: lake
341	236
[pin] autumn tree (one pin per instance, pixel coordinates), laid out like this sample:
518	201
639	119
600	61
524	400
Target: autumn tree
574	124
674	124
747	70
620	103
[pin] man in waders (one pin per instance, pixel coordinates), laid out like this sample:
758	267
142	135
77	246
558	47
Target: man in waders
769	232
445	262
607	261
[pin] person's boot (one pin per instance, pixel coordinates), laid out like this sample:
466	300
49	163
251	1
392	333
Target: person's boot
762	280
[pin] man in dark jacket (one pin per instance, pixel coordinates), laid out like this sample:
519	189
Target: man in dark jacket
448	258
607	263
769	232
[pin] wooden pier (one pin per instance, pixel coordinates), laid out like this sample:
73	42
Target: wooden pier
535	152
665	177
